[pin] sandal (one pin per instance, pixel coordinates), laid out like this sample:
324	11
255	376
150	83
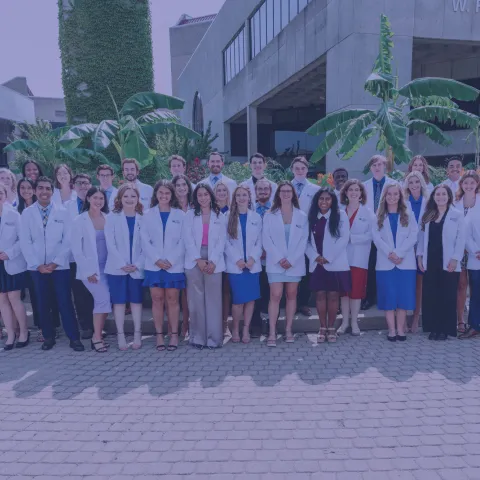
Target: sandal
172	348
289	337
271	342
461	328
137	340
162	347
246	335
40	337
470	333
332	335
102	349
321	337
122	343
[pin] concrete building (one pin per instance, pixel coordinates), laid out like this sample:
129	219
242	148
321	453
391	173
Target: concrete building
18	104
266	70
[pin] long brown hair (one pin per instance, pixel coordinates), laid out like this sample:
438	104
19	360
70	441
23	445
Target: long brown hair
431	210
164	183
468	174
68	169
383	208
277	203
232	227
347	185
425	173
117	205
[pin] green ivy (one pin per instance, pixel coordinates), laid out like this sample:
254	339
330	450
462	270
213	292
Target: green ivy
103	43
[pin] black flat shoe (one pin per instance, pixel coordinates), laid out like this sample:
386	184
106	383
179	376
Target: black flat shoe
48	344
25	343
401	338
365	305
441	337
432	336
392	339
77	345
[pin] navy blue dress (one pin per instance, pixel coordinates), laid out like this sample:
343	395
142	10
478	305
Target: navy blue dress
124	288
162	278
246	285
10	283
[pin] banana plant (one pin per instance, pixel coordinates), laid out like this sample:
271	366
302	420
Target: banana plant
143	114
413	107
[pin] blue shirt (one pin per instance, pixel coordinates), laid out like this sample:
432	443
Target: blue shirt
80	203
261	209
224	209
164	216
131	230
243	223
393	219
219	178
40	209
108	193
416	206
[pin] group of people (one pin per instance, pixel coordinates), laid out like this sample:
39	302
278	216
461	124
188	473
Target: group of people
84	251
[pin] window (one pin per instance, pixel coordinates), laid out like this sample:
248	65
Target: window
234	56
277	16
285	9
293	9
270	19
197	113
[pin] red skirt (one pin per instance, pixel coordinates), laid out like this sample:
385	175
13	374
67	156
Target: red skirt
359	284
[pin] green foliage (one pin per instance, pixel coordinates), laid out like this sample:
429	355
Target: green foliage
237	171
102	43
276	172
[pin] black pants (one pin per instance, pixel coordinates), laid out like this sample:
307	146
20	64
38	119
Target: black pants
261	305
82	300
372	276
52	302
304	292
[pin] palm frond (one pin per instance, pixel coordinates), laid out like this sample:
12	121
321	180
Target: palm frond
362	139
457	117
335	119
354	130
332	138
431	131
440	87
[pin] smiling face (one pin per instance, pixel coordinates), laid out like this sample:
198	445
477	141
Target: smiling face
105	177
130	171
164	197
417	166
300	170
97	201
242	197
203	198
3	196
415	186
82	186
286	194
354	193
177	168
6	179
469	185
215	164
26	191
221	193
340	177
263	191
440	197
378	169
454	170
32	172
324	202
181	188
392	197
257	165
63	176
129	199
44	192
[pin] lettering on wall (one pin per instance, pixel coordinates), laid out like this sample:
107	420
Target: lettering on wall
468	6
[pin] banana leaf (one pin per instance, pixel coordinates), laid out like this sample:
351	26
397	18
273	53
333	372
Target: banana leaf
335	119
431	101
19	145
146	102
182	130
82	155
440	87
431	131
380	85
332	138
104	133
355	129
390	119
362	139
77	132
458	117
383	63
158	116
135	146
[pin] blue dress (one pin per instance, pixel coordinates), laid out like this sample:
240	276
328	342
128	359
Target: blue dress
10	283
283	277
246	285
396	288
124	288
162	278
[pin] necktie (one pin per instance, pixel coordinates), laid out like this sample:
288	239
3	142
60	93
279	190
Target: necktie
299	187
377	195
44	216
215	180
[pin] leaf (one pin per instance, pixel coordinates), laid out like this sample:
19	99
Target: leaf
391	121
333	120
430	101
458	117
431	131
158	116
402	153
363	138
82	155
383	63
354	130
104	133
77	132
333	137
182	130
381	144
380	85
439	87
19	145
145	102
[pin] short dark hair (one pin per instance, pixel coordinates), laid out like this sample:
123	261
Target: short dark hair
257	155
455	158
104	167
92	191
86	176
24	166
339	169
300	159
218	154
178	158
44	180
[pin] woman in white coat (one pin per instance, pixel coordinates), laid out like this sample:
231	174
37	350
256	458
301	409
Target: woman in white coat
8	178
395	233
416	194
12	274
243	251
329	234
89	250
419	164
204	234
441	246
354	198
285	235
467	200
164	260
125	261
63	180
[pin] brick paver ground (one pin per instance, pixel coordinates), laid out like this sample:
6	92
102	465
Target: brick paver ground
361	409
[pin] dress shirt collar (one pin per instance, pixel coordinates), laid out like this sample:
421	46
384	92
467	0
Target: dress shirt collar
326	215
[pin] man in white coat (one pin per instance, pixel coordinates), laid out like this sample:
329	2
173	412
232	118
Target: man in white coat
130	170
45	244
454	172
340	176
258	165
215	164
305	192
105	176
374	188
178	166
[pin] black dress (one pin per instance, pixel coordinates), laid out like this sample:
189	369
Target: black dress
439	296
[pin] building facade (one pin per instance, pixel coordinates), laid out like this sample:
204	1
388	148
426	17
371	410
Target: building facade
266	70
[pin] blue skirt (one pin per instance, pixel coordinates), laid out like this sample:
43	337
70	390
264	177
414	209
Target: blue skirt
245	286
396	289
163	279
11	283
125	289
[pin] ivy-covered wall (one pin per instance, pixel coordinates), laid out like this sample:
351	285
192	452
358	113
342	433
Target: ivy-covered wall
103	43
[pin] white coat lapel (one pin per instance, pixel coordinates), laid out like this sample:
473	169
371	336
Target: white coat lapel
251	231
295	231
136	236
389	233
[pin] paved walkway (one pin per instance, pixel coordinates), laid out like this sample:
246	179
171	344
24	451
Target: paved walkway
361	409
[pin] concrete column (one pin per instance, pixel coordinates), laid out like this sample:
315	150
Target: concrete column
349	63
252	129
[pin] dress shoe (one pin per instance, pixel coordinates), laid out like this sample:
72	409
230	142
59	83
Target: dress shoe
365	305
401	338
432	336
25	343
77	345
441	337
392	339
87	334
48	344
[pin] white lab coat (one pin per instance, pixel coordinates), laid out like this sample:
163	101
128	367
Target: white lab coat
368	184
305	200
275	244
192	236
453	240
10	241
334	249
72	208
474	211
472	241
41	246
146	193
160	245
230	183
57	199
84	247
358	248
251	186
118	244
406	240
234	246
453	185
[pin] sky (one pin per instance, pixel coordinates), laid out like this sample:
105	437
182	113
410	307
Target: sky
29	42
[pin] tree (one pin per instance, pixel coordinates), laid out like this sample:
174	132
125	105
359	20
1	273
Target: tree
102	43
412	107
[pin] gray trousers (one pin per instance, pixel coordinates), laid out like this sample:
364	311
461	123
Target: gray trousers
205	304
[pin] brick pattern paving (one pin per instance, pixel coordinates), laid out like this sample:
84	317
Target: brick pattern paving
361	409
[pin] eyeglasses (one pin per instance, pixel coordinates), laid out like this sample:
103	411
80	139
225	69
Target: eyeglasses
105	175
82	184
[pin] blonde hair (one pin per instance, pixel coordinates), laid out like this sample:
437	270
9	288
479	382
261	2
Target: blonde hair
12	176
228	192
421	179
425	173
117	205
460	193
383	209
232	227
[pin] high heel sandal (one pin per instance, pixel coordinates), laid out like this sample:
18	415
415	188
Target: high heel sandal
321	337
172	348
9	346
137	340
25	343
102	349
332	335
161	348
122	343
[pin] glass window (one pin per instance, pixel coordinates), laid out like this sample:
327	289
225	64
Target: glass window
277	16
285	11
302	4
237	55
257	33
270	18
227	65
263	26
293	9
241	39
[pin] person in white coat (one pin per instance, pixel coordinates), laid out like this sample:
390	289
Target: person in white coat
305	191
215	164
64	191
285	234
329	234
164	250
440	250
243	251
258	165
204	234
395	234
45	242
454	172
126	261
105	176
353	198
8	178
467	201
416	194
340	176
131	170
89	250
419	164
12	274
